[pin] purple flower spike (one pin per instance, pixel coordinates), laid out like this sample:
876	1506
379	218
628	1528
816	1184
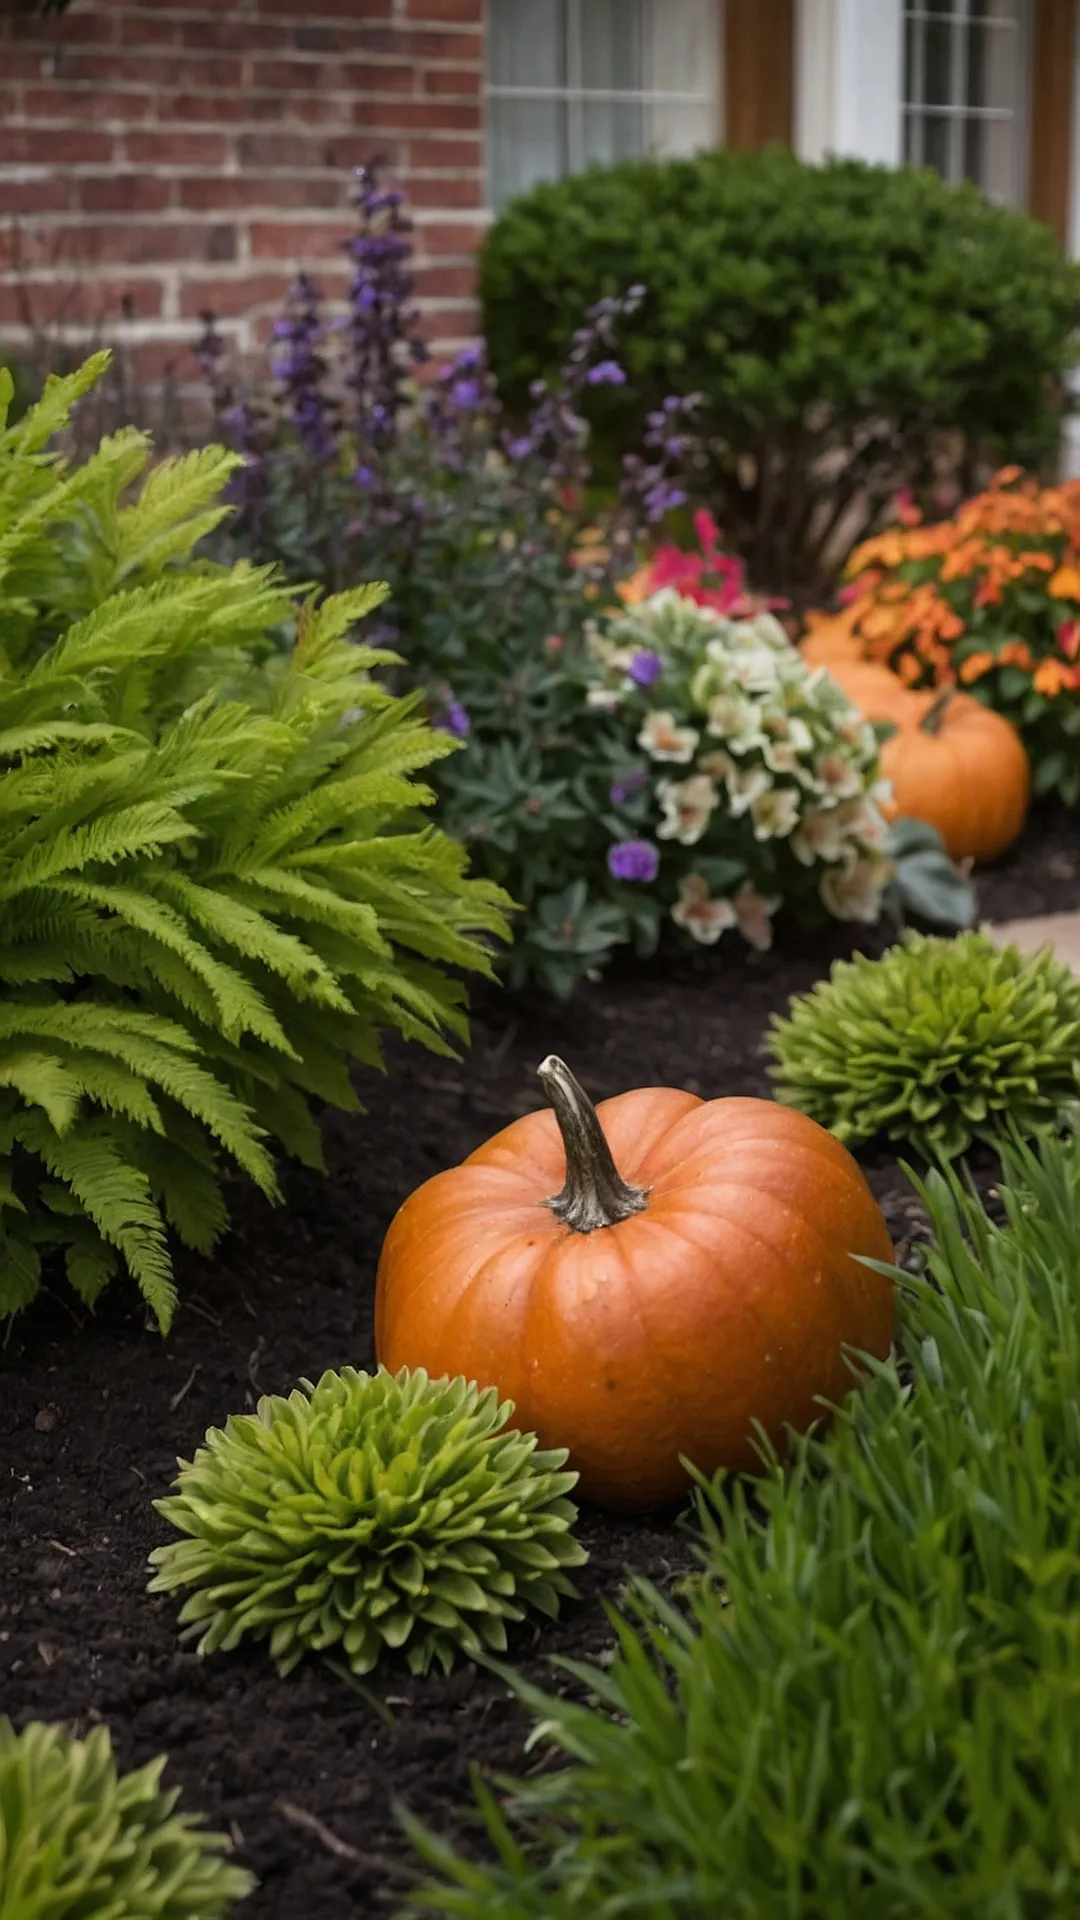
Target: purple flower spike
634	860
606	373
645	668
453	719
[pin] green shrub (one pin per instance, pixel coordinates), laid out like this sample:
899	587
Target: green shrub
366	1514
869	1706
838	322
78	1841
215	888
938	1043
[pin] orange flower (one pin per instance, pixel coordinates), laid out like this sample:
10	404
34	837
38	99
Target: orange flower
909	670
1043	562
1014	654
1065	584
1051	677
1068	638
975	666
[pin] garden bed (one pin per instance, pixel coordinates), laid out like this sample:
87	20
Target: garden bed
304	1771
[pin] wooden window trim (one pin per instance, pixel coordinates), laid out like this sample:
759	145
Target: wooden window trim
1053	64
759	72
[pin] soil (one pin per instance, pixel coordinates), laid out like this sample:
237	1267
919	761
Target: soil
305	1772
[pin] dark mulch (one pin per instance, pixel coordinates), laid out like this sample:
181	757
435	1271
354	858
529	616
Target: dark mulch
93	1412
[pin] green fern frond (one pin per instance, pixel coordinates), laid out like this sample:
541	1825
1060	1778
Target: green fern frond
238	925
53	411
41	1080
321	628
179	505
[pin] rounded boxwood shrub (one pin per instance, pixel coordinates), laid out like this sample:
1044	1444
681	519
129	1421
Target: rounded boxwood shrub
938	1043
368	1513
80	1841
837	320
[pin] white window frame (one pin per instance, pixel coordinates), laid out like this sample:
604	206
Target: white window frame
849	79
958	112
575	97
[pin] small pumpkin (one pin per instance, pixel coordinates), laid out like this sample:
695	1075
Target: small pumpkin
644	1280
963	769
878	694
829	638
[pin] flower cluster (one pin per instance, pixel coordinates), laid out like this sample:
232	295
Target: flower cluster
710	577
989	598
760	778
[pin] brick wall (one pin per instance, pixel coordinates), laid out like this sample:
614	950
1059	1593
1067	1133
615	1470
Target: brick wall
158	158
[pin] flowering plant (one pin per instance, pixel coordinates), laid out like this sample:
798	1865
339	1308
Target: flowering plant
754	784
710	577
989	597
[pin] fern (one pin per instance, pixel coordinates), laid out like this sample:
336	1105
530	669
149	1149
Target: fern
216	891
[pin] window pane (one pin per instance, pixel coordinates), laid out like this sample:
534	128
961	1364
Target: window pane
611	45
612	130
526	143
526	43
938	64
681	54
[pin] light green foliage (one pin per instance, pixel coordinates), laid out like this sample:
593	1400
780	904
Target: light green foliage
365	1514
78	1841
938	1043
868	1707
214	887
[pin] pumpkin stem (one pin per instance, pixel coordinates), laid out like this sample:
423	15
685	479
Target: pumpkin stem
595	1193
935	714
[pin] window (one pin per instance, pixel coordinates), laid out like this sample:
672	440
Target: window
966	69
570	81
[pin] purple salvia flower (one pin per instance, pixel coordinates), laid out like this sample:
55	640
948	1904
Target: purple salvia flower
606	373
453	719
624	789
645	668
634	860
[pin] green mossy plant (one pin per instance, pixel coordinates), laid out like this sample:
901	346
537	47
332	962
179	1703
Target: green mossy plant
217	884
936	1044
80	1841
367	1514
867	1706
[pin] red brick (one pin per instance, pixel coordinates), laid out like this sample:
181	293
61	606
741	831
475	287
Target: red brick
139	30
446	191
153	69
466	11
405	115
329	110
299	239
227	298
233	36
421	43
218	192
54	194
33	64
443	81
357	11
46	302
298	74
213	108
169	149
154	360
79	29
455	153
446	283
88	103
140	244
281	150
124	193
438	237
68	147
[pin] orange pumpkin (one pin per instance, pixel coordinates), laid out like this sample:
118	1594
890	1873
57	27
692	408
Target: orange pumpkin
829	638
878	694
643	1280
963	769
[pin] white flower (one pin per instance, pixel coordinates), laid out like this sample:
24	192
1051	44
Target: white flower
604	699
754	668
744	784
787	743
821	836
838	776
753	913
735	720
860	820
663	740
853	892
687	805
775	814
704	918
718	765
766	627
